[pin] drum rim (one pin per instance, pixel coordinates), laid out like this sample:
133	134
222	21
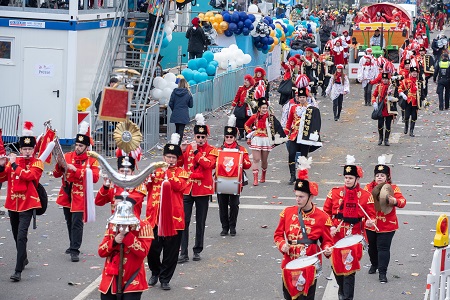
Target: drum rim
314	260
358	236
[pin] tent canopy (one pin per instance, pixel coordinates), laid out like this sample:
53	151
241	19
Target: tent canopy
386	8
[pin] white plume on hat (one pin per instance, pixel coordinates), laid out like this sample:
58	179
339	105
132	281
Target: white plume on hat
200	119
231	121
382	159
174	138
84	127
27	126
304	163
350	160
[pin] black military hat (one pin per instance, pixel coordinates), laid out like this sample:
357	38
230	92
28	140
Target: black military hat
385	75
172	147
228	130
413	69
422	49
407	61
381	168
262	101
83	136
200	127
302	185
27	139
122	159
351	170
302	92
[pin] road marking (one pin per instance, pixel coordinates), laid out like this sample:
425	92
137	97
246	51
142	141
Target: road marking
331	290
89	289
274	181
441	204
442	186
438	166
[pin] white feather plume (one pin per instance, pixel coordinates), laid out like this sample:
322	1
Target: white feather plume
84	127
350	160
382	159
304	163
200	119
174	138
231	121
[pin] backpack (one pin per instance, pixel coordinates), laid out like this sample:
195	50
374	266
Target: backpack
44	199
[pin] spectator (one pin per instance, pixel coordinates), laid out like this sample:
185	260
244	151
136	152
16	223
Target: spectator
155	9
210	33
197	39
180	102
377	40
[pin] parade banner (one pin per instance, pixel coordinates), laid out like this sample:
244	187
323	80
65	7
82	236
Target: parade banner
345	261
298	281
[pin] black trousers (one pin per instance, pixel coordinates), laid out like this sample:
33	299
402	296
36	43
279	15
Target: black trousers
337	106
125	296
293	148
20	222
368	94
380	249
410	111
228	217
346	285
240	126
443	91
74	221
201	212
150	27
385	123
193	55
179	128
169	247
310	295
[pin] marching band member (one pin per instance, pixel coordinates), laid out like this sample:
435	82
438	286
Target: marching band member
260	74
337	51
338	87
387	222
259	127
165	214
367	71
228	217
23	174
299	230
382	94
73	190
132	242
326	69
291	69
308	67
426	68
199	160
302	128
404	70
347	206
242	111
347	40
411	91
109	193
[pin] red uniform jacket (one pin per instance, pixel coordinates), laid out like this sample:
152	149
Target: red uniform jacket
22	194
200	167
76	179
317	224
178	179
246	164
293	122
257	122
107	195
408	86
380	92
332	207
289	71
241	95
389	222
136	245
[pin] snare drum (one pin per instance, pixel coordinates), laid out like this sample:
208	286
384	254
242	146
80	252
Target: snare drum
347	253
300	274
229	171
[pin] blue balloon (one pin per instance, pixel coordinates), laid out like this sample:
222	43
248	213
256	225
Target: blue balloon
203	76
242	15
192	64
285	20
272	26
264	40
265	21
290	29
192	82
264	47
208	55
240	24
202	63
270	40
251	17
165	43
228	33
211	70
245	31
309	30
278	32
251	27
188	74
238	31
269	19
265	51
232	27
201	70
257	39
248	23
198	77
214	63
235	17
259	45
227	17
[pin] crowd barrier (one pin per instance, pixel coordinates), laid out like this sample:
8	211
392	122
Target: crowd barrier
9	123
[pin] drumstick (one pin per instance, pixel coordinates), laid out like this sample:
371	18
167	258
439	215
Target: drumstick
318	253
368	216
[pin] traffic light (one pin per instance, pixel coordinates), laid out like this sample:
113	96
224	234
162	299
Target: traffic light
441	236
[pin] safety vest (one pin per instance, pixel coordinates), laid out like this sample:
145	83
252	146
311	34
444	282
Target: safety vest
443	66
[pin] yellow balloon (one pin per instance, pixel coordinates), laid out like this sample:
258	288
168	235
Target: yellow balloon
206	19
223	25
180	76
278	25
212	19
219	30
209	14
215	25
201	16
275	40
180	1
272	47
219	18
273	33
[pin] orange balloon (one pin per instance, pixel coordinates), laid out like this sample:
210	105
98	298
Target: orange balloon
223	25
215	25
209	14
219	18
201	16
212	19
219	30
275	40
273	33
205	18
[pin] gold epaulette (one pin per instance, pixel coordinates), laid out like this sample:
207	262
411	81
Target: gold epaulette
38	164
184	174
95	163
282	213
328	222
214	151
142	189
146	231
397	189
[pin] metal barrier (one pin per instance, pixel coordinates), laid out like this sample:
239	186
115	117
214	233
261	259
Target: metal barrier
150	127
9	123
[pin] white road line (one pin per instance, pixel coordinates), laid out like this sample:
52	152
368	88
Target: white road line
442	186
438	166
89	289
274	181
331	290
441	204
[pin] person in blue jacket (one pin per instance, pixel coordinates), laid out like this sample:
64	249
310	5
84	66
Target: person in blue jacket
180	102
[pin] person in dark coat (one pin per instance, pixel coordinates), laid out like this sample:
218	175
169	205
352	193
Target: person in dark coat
180	102
197	39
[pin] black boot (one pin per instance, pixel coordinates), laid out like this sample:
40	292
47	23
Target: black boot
382	277
411	131
406	127
386	138
380	136
292	172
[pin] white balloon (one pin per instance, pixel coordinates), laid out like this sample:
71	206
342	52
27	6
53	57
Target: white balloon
159	83
233	47
223	65
171	25
170	77
166	93
233	65
169	38
168	30
240	61
173	85
247	58
252	9
156	93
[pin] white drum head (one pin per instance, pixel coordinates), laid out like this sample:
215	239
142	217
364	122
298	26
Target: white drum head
349	241
302	262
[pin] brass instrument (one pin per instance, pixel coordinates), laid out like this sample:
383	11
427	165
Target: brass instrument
419	84
428	67
250	99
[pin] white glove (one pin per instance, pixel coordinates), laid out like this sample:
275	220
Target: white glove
375	106
403	95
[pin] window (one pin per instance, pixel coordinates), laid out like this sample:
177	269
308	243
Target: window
6	50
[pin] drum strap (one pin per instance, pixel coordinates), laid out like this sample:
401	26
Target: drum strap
304	240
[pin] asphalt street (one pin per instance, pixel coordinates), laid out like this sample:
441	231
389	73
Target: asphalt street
247	266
